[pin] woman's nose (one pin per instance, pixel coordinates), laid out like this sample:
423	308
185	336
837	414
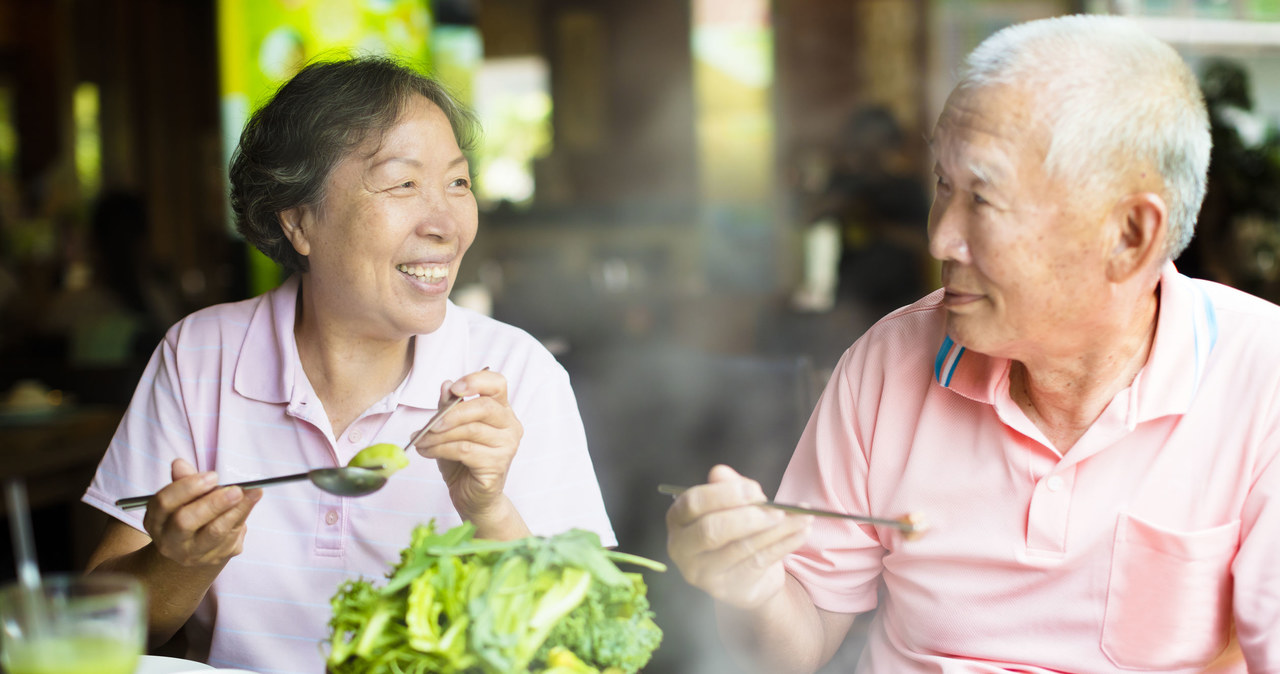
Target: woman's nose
436	218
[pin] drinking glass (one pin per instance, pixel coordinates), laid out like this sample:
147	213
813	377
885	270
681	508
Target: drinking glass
72	624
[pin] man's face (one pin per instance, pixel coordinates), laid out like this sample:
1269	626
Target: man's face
1022	256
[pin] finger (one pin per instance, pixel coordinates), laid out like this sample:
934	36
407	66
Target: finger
197	514
486	383
743	579
707	498
767	547
727	527
251	498
473	455
225	529
183	490
480	409
497	433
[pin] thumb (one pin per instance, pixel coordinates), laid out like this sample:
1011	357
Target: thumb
445	394
723	473
751	489
181	468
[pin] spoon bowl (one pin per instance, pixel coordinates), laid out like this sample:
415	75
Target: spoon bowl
344	481
348	481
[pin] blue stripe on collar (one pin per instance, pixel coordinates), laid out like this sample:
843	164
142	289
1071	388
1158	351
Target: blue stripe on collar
1205	330
950	351
942	356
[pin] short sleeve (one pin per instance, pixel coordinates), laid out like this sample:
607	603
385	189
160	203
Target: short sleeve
154	431
552	480
1255	571
840	563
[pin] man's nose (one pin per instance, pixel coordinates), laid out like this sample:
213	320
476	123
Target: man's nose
947	232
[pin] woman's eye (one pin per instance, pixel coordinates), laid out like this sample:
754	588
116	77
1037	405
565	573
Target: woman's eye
978	199
461	182
408	184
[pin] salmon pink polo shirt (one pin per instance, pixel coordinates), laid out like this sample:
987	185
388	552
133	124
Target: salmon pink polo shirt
225	390
1138	550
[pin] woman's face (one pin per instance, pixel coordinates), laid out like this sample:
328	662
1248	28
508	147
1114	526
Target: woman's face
385	245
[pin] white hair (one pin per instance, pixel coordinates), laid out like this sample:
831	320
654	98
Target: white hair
1114	99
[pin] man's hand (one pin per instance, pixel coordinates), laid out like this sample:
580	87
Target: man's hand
729	547
474	445
193	523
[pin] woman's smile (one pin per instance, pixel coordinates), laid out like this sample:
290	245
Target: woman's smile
435	274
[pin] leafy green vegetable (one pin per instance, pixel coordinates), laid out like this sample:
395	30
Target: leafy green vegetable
458	605
612	628
384	457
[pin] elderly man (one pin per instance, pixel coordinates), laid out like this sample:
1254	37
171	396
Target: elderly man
1092	436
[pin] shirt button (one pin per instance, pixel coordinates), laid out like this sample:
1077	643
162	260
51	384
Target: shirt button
354	436
331	517
1055	483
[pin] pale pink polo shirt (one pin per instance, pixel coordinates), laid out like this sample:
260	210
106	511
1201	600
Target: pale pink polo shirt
225	390
1133	552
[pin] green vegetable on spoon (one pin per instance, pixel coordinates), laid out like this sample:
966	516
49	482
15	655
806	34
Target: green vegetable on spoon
383	458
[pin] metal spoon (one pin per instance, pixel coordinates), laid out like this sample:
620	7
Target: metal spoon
345	481
911	524
453	402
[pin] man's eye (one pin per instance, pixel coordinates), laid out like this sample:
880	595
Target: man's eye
408	184
978	199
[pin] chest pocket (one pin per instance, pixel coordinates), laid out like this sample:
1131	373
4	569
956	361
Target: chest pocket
1169	596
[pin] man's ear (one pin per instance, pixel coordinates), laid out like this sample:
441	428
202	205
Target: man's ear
294	223
1142	226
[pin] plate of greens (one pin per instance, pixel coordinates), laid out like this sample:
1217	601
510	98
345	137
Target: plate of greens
454	604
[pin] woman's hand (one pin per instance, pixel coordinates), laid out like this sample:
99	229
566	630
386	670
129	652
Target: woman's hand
193	523
728	547
474	444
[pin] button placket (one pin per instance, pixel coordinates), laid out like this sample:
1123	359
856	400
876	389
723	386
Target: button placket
1048	516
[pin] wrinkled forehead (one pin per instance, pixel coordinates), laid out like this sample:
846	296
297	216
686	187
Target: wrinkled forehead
989	123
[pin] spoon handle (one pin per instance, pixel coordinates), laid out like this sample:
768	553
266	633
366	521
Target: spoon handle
435	418
432	422
907	523
135	502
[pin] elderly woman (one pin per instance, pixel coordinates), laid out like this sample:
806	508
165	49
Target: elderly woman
353	178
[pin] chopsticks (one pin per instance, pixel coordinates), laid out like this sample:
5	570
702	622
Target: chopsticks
911	524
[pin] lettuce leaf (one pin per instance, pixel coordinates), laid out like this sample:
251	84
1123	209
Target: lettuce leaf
457	605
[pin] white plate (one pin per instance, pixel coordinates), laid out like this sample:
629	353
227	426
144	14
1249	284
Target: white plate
159	664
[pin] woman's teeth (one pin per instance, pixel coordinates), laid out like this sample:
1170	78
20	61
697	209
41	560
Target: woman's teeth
431	273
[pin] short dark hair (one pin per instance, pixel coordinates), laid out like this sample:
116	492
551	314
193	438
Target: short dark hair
290	145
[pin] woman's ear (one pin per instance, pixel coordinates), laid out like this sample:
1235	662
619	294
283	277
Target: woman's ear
1142	226
293	222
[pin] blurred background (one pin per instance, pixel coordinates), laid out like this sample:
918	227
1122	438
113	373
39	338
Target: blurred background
697	205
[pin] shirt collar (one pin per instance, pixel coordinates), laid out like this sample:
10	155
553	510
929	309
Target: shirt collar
269	341
1186	332
269	369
